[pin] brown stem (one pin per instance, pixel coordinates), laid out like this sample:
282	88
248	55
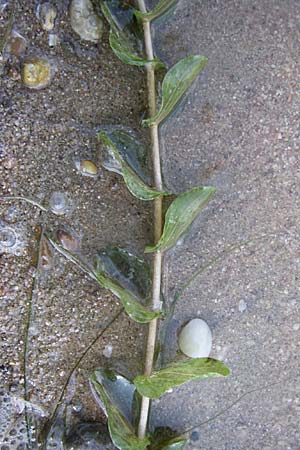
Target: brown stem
157	259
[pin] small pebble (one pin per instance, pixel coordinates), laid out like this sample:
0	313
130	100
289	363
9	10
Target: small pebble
47	13
107	352
195	339
77	407
9	163
242	306
296	326
85	21
36	72
13	73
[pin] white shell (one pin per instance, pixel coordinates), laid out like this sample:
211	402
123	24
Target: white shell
195	339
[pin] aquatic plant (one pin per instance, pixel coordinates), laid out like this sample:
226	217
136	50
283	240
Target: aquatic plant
126	402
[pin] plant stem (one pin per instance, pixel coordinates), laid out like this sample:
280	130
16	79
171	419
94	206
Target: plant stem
40	236
157	259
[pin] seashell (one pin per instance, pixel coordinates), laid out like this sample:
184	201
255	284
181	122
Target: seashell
84	21
36	72
60	203
195	339
87	167
13	238
68	239
16	44
47	13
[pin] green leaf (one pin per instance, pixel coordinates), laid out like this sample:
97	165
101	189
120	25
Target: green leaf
161	7
159	382
174	444
123	41
180	215
132	305
127	152
176	82
128	270
164	438
123	49
120	429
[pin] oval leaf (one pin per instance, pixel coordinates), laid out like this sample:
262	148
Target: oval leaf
161	7
160	382
128	152
120	429
128	270
176	82
123	41
132	305
180	215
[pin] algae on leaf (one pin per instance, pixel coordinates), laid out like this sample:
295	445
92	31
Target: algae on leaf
174	375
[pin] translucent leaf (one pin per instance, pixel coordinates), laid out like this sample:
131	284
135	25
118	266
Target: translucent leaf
120	429
128	153
119	388
128	270
132	305
176	82
180	215
123	41
160	382
161	7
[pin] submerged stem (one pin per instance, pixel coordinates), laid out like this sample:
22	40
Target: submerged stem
157	259
40	236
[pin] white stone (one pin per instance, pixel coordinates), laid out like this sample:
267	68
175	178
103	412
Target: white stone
242	306
195	339
85	21
107	352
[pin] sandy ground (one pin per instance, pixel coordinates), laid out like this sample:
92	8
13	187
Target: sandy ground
239	131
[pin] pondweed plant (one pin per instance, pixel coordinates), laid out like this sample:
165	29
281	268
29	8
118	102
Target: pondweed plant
126	403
